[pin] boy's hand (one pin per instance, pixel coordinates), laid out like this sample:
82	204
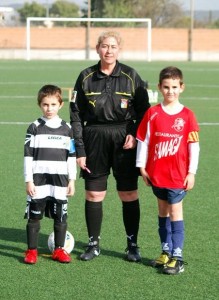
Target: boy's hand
189	182
71	188
145	176
30	188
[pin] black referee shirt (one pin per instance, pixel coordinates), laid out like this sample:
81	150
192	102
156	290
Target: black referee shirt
99	98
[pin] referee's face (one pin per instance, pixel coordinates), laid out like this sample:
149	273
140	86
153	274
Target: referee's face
108	51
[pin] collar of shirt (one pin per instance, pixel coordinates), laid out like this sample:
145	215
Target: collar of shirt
116	72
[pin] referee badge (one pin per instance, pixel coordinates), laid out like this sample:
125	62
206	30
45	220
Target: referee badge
73	97
124	103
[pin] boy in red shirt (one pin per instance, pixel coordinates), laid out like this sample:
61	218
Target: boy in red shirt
167	155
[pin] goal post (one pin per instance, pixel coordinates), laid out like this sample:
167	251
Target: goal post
147	21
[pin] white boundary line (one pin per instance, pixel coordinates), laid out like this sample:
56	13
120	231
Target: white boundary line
2	97
16	97
26	123
15	123
208	124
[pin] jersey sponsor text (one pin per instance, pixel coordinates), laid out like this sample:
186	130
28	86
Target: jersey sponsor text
167	148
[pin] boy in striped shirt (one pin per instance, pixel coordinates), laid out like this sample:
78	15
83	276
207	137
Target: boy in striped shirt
49	172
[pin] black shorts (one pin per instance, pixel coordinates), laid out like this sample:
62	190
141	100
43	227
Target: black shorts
104	151
51	209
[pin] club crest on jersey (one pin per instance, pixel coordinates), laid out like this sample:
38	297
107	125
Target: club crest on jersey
178	124
124	103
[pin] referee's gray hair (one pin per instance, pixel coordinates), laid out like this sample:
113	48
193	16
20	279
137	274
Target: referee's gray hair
107	34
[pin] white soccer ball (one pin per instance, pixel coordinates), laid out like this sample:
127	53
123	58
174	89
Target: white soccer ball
69	242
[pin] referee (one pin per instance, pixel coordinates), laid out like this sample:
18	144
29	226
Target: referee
108	102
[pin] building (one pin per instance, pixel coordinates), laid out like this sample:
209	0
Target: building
8	17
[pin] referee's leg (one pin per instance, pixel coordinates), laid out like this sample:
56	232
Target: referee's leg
95	194
131	220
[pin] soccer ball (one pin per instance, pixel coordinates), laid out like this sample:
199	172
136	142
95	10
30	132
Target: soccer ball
69	242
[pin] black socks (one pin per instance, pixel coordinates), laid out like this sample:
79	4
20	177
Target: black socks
93	216
131	219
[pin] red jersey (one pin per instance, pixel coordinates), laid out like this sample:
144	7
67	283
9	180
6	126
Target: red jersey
168	137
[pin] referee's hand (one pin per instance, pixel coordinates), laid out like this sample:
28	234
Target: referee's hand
130	142
81	161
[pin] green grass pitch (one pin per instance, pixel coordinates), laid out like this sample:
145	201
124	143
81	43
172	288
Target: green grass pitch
108	276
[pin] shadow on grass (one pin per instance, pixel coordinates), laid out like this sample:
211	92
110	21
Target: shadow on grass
81	247
15	235
18	236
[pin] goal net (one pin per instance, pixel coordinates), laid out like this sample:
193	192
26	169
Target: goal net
50	38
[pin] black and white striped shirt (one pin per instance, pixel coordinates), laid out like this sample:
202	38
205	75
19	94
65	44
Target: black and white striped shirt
49	158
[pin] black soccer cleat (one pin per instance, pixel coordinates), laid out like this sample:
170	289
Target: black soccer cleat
132	253
91	252
174	267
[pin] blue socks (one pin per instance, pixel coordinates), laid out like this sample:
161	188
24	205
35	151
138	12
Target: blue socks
171	236
164	231
177	238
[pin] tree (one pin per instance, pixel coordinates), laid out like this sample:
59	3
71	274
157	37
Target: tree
164	13
118	9
64	9
31	10
215	24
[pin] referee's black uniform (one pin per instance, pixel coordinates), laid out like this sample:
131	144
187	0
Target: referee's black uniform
105	109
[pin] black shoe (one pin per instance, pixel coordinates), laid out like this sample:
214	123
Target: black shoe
174	267
91	252
132	253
